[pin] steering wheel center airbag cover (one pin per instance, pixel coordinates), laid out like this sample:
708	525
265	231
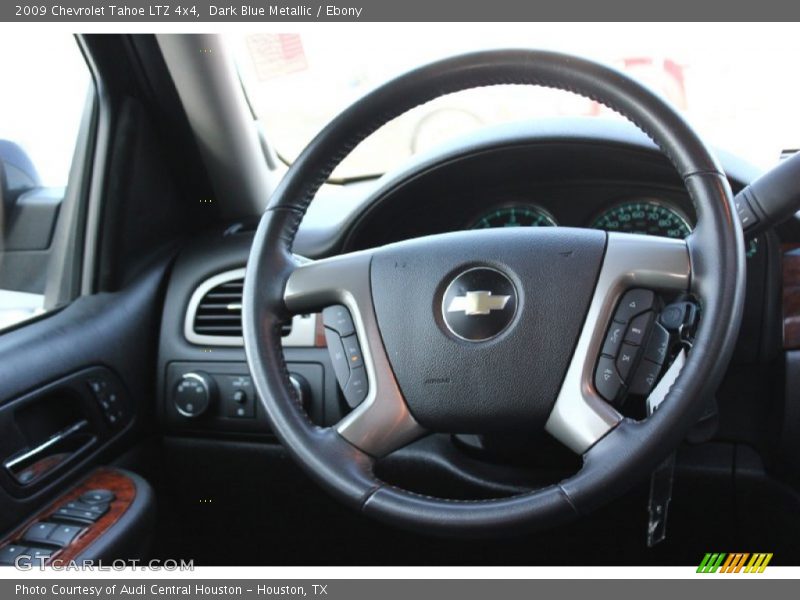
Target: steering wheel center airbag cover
505	370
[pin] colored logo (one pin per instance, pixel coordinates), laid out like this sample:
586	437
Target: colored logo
737	562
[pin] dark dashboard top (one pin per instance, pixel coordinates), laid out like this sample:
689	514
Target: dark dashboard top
579	173
572	168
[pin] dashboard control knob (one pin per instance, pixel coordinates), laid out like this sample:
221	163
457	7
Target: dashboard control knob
194	393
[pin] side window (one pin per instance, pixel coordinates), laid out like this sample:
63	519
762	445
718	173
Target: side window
45	93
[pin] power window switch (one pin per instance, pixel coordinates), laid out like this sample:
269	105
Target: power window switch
38	533
40	554
97	497
72	514
10	553
99	509
64	534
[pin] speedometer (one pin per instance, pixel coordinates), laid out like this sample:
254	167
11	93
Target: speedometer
518	215
646	217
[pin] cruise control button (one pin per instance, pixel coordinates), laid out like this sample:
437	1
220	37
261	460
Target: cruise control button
637	330
626	360
657	345
353	351
338	318
357	387
64	534
38	532
613	340
606	379
634	302
338	357
673	315
746	214
644	378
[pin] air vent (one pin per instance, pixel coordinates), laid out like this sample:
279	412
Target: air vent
214	315
219	312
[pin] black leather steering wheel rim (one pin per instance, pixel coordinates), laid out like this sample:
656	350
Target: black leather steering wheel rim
632	448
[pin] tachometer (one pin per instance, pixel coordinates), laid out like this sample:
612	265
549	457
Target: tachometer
521	215
646	217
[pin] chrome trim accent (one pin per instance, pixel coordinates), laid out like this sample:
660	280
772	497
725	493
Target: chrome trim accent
16	465
382	422
580	417
51	441
303	332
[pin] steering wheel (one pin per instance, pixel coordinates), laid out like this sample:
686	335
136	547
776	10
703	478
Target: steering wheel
493	330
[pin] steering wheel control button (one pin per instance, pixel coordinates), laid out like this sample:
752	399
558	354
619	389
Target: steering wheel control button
606	379
672	316
637	330
38	533
357	387
339	359
747	216
626	360
679	315
63	535
98	496
658	345
347	359
338	318
645	378
193	394
479	304
633	303
353	352
613	340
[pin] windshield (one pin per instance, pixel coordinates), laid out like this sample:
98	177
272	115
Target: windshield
740	92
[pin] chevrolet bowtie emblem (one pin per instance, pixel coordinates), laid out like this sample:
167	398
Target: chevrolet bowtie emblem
478	303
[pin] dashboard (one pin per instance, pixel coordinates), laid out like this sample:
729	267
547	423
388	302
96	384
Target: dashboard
646	216
516	180
564	185
620	207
